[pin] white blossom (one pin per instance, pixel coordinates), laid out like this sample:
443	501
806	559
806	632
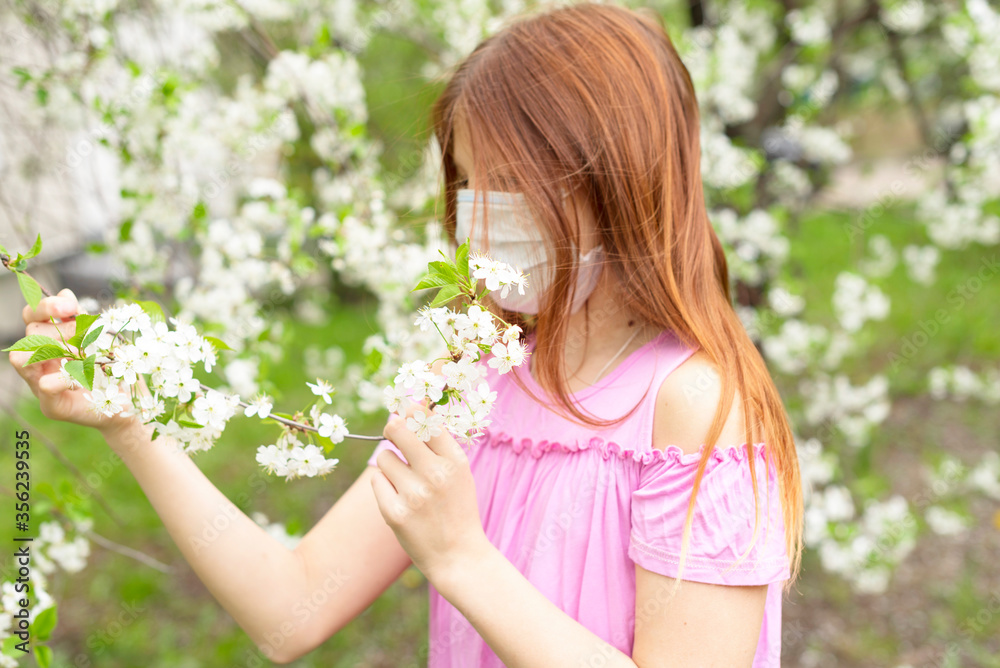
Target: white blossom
332	427
425	425
260	406
321	388
507	356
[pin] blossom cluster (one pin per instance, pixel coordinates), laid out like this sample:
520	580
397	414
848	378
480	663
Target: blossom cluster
143	368
496	275
291	458
131	347
461	399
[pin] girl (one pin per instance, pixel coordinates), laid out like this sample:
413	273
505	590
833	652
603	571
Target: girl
636	499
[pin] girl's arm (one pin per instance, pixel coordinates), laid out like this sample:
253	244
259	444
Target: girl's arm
287	601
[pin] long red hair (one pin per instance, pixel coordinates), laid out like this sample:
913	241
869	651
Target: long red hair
594	97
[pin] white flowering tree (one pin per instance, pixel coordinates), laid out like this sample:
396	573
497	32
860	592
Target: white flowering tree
228	186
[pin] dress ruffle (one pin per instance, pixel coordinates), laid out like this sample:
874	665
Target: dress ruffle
608	449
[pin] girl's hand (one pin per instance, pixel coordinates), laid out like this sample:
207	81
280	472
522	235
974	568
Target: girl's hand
430	503
57	399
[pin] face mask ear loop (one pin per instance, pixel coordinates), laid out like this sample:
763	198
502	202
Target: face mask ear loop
590	254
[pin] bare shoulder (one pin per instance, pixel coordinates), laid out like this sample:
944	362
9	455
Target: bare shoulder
686	403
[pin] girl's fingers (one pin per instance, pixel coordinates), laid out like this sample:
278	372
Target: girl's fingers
394	468
444	444
409	490
19	360
62	305
67	329
386	498
54	383
415	450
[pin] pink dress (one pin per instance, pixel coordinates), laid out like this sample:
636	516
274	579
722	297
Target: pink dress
575	508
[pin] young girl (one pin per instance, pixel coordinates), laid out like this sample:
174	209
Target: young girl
636	499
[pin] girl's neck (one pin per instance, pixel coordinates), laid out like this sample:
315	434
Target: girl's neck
601	335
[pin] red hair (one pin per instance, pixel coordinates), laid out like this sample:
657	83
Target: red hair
594	98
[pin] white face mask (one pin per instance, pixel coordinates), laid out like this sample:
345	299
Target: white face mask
516	240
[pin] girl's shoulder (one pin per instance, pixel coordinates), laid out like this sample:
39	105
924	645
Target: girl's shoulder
686	402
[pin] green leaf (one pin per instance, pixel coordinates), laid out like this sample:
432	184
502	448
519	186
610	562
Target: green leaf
218	343
75	369
446	269
32	342
462	259
153	310
190	424
45	622
445	295
83	323
325	443
92	336
23	76
8	646
30	288
432	281
88	371
200	211
47	353
4	250
373	362
43	655
125	231
47	489
35	249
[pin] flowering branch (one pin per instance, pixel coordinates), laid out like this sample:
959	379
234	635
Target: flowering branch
130	343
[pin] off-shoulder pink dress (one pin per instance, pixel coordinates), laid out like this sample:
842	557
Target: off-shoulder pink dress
575	508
